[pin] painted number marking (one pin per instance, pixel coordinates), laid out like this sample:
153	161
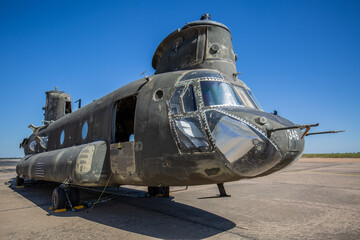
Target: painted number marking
293	134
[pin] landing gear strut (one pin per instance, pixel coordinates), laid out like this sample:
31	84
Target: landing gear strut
19	181
222	190
159	191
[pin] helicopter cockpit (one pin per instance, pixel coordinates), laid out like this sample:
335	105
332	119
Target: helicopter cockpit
194	96
208	113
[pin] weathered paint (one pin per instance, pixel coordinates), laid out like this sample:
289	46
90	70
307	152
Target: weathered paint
162	151
80	165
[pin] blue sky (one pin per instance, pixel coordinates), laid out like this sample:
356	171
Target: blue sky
301	58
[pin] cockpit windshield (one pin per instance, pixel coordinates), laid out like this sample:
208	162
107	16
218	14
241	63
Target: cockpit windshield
219	93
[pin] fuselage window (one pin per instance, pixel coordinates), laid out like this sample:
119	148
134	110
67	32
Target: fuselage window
84	130
62	137
44	142
219	93
158	95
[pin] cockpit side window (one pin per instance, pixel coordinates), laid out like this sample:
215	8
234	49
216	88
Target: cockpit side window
257	103
219	93
245	97
248	97
175	101
186	121
189	100
183	100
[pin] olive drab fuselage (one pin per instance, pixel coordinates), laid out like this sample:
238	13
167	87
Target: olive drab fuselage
192	122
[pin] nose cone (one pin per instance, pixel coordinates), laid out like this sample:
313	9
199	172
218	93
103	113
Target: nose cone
247	148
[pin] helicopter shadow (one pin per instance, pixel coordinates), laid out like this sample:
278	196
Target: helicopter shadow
151	216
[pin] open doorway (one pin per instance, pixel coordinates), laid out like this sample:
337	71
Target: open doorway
123	120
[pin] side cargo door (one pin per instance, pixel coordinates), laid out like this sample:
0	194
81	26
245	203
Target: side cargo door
122	156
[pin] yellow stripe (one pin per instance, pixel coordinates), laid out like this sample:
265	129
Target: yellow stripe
60	210
345	174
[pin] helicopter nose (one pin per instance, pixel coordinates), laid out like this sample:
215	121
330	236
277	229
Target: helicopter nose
248	150
291	143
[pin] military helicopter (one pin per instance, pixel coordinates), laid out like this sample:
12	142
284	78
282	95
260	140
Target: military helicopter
192	122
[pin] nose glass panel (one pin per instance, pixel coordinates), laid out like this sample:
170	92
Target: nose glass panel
249	152
243	139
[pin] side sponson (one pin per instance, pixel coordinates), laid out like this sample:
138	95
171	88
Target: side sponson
81	165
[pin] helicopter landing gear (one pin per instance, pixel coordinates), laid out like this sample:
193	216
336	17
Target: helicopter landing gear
222	190
159	191
19	182
64	196
58	198
74	196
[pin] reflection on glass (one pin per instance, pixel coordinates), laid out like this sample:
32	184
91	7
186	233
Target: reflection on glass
218	93
248	97
175	101
254	99
189	100
234	138
44	142
245	97
246	148
190	134
33	146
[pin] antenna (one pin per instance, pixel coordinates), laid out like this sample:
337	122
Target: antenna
146	77
79	100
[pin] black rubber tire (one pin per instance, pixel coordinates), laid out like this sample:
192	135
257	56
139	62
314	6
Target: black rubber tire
165	192
153	191
19	181
74	196
58	198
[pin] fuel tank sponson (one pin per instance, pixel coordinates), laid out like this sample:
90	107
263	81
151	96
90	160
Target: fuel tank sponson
80	165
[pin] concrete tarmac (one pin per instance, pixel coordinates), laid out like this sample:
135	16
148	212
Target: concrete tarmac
312	199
